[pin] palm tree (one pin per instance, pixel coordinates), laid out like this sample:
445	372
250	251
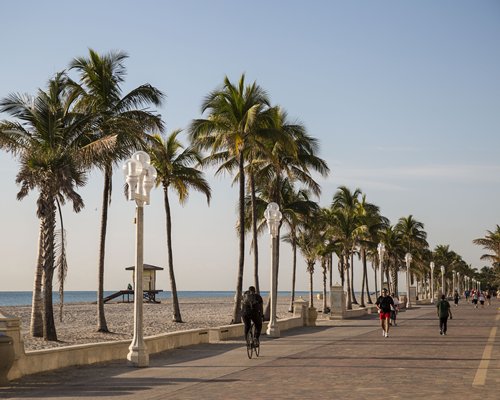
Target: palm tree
394	254
491	243
349	226
232	118
173	164
374	222
293	157
53	148
308	243
123	117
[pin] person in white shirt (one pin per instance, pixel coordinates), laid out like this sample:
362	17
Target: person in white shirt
394	310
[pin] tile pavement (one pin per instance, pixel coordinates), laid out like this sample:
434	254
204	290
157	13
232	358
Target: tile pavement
346	359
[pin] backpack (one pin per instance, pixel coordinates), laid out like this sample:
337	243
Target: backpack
250	301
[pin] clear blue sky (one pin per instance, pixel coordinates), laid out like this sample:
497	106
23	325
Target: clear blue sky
403	96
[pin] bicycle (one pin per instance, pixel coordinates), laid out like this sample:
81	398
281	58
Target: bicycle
253	345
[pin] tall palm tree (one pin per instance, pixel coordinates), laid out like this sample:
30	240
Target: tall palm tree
293	158
373	222
491	243
348	203
173	164
232	118
124	117
308	243
53	147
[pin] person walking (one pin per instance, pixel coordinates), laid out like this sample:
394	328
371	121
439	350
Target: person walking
394	310
384	304
443	312
481	299
474	298
455	298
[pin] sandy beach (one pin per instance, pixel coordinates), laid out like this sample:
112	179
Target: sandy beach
79	320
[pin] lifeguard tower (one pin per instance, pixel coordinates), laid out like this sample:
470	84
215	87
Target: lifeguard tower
148	285
148	281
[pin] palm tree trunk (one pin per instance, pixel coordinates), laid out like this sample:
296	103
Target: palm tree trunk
36	323
365	266
354	301
176	317
330	268
325	271
49	221
349	299
341	269
254	235
311	272
241	265
102	326
62	264
294	271
363	279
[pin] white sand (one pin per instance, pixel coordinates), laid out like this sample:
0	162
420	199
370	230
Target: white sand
80	320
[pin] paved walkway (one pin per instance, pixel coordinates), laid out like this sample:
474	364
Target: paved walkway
346	359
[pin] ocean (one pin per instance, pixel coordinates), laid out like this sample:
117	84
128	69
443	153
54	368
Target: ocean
24	298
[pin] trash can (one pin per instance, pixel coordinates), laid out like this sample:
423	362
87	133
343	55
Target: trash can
6	357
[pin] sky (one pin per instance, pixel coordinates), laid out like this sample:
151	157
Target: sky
403	97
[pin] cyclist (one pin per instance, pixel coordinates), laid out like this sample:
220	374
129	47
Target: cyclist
252	310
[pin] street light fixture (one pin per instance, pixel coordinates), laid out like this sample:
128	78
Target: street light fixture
408	262
140	176
432	282
381	251
442	280
273	218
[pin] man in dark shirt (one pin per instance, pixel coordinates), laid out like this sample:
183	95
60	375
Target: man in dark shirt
252	310
443	312
384	304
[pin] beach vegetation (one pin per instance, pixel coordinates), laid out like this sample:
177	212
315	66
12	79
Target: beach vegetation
232	117
125	117
52	144
176	170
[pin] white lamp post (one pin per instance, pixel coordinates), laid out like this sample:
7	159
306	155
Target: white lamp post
273	218
408	262
381	251
454	273
140	176
458	282
442	280
432	282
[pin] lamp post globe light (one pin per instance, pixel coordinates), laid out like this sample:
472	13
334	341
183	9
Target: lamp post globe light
140	176
432	282
408	262
381	251
442	280
273	218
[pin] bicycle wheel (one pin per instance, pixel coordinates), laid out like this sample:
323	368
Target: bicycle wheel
256	346
249	339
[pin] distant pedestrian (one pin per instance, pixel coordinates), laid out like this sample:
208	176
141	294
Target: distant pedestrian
488	297
467	295
474	299
384	304
443	312
455	298
394	310
481	299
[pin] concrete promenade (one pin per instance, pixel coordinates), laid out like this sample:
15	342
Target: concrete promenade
346	359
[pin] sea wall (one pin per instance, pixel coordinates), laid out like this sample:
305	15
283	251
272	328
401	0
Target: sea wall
31	362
